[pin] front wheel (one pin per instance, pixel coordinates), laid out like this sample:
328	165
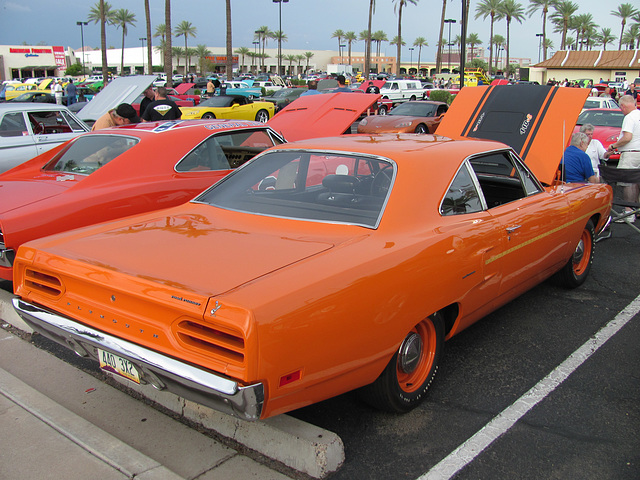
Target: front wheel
404	382
208	116
382	110
262	116
575	272
422	128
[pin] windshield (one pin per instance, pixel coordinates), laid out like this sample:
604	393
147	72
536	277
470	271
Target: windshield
415	109
90	152
308	185
217	101
601	118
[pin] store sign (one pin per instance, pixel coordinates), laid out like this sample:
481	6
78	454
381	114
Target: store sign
222	59
58	55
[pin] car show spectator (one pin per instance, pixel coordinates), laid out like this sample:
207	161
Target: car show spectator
123	114
57	91
71	93
161	108
210	88
342	84
628	144
595	150
313	88
633	91
576	163
149	96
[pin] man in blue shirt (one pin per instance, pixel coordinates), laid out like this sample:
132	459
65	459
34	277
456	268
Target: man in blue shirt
342	84
577	164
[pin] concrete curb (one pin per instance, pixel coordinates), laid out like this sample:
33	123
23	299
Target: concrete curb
94	440
294	443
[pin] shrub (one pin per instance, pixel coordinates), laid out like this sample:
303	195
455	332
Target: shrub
438	95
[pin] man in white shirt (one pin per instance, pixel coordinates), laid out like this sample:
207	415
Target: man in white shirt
57	92
628	144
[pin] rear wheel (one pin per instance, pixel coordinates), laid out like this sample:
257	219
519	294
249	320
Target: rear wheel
404	382
382	110
413	97
575	272
262	116
208	115
422	128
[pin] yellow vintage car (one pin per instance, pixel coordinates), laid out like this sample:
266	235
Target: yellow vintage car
16	89
236	107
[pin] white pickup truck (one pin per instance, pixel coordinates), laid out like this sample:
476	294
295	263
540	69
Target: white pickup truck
403	90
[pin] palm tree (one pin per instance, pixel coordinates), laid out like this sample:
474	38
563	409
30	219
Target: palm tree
338	34
420	42
498	43
379	37
229	42
543	5
623	12
400	4
177	52
160	31
473	39
202	52
147	16
484	9
511	10
367	45
440	43
350	37
122	18
585	27
308	56
185	29
290	59
242	51
101	12
161	47
606	37
299	59
631	36
564	10
279	36
264	34
168	66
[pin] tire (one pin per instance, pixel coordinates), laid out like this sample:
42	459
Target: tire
262	116
208	116
402	385
575	272
382	110
421	128
413	97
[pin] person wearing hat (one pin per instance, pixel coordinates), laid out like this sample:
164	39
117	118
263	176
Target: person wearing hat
162	108
123	114
57	91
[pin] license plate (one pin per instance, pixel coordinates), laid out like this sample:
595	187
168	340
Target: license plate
118	365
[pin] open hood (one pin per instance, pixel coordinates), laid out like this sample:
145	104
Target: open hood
119	90
325	115
535	120
183	88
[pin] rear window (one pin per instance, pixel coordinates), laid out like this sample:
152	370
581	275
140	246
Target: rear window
90	152
308	185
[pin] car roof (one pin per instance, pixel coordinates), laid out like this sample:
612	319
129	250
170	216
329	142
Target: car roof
30	107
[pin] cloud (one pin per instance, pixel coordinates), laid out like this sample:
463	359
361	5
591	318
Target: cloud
16	7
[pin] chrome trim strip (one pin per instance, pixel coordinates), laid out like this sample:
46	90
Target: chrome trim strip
159	370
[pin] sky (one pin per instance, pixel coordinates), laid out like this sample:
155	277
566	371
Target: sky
308	24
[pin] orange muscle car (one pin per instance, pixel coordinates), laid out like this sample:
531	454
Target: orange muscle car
320	266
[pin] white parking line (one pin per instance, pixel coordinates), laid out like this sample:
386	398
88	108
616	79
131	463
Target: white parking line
469	450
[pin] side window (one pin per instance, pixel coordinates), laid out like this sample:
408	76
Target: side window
462	196
49	122
502	178
13	125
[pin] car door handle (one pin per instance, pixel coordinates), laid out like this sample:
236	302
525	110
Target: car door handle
513	229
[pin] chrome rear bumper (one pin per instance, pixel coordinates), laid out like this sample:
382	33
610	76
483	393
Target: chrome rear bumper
161	371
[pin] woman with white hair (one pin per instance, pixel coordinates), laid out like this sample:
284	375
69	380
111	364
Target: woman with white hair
595	150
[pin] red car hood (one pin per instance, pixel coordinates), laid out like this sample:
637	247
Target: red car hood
201	230
325	115
183	88
535	120
17	194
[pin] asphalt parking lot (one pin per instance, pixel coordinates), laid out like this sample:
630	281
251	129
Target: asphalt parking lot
587	427
584	427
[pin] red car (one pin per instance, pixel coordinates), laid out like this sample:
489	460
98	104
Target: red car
116	172
180	92
607	124
181	103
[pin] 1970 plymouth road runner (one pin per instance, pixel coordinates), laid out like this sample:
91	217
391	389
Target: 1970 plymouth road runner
324	265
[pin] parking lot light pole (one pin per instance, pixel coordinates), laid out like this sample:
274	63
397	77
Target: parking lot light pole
449	21
260	33
411	49
142	40
280	2
82	24
539	35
